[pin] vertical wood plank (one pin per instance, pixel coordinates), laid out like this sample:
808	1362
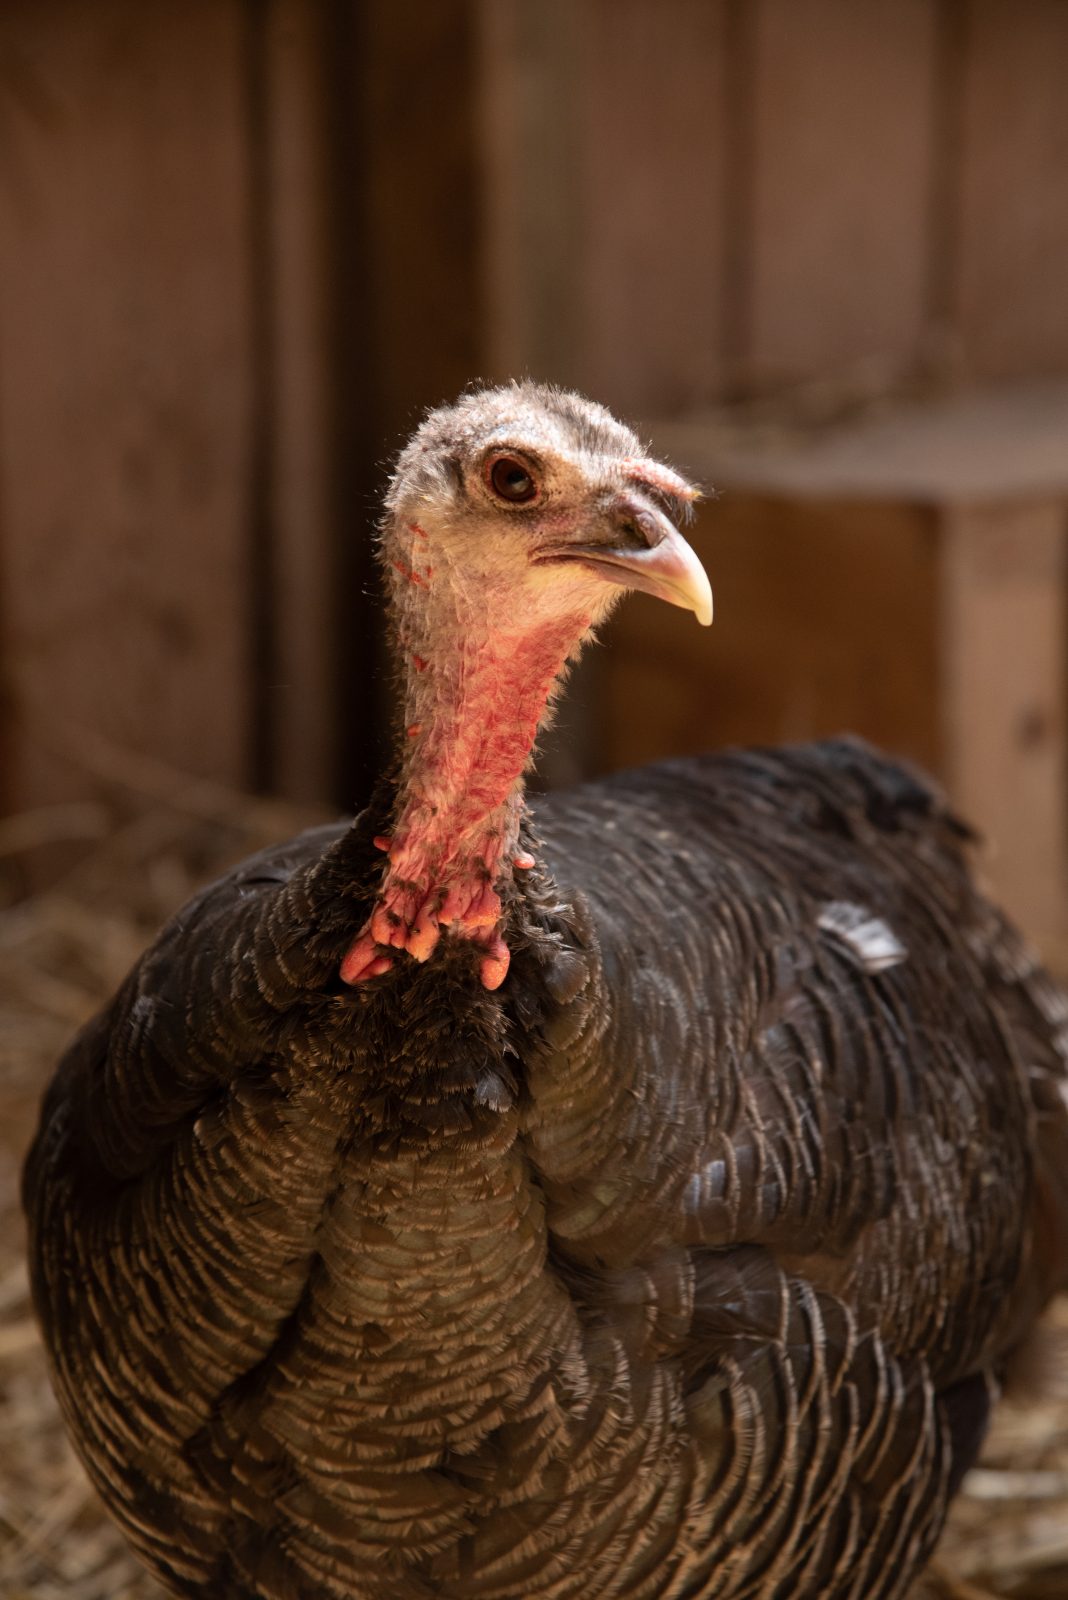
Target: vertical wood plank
301	693
124	385
1012	307
1003	699
423	228
842	126
651	143
534	236
603	140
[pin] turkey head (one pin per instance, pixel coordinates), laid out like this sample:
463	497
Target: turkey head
515	520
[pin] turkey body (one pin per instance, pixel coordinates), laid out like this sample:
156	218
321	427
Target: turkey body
683	1265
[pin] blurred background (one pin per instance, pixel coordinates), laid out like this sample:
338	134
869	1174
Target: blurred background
816	250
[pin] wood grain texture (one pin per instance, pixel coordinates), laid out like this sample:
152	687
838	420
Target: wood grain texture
842	106
416	132
125	385
603	146
299	470
651	134
1003	697
534	233
1012	304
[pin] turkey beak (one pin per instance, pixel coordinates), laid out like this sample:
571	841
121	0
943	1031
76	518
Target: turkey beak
644	551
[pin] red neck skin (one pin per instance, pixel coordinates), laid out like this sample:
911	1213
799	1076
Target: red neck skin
475	696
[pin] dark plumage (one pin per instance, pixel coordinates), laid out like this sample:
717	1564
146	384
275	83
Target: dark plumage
684	1262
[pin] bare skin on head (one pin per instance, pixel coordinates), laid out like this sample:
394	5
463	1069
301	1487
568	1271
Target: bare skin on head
515	521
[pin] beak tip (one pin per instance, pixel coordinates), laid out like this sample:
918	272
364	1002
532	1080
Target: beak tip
700	595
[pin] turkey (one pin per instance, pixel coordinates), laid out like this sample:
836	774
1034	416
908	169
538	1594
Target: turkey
637	1196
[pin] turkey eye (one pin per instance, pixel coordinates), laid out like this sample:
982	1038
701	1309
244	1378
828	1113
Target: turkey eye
510	480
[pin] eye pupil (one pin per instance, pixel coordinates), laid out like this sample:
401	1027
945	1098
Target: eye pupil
510	480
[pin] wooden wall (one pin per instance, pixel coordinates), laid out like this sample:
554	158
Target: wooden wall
243	242
127	384
758	196
238	255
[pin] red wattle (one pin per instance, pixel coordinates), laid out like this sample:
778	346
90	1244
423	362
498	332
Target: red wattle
477	715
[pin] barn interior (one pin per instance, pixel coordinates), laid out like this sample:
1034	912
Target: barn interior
816	251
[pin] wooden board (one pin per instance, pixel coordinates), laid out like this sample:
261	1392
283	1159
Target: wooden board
1012	291
842	105
651	144
1002	698
124	386
978	444
533	235
295	389
416	131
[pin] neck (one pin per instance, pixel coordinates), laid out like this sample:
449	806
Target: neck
475	695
